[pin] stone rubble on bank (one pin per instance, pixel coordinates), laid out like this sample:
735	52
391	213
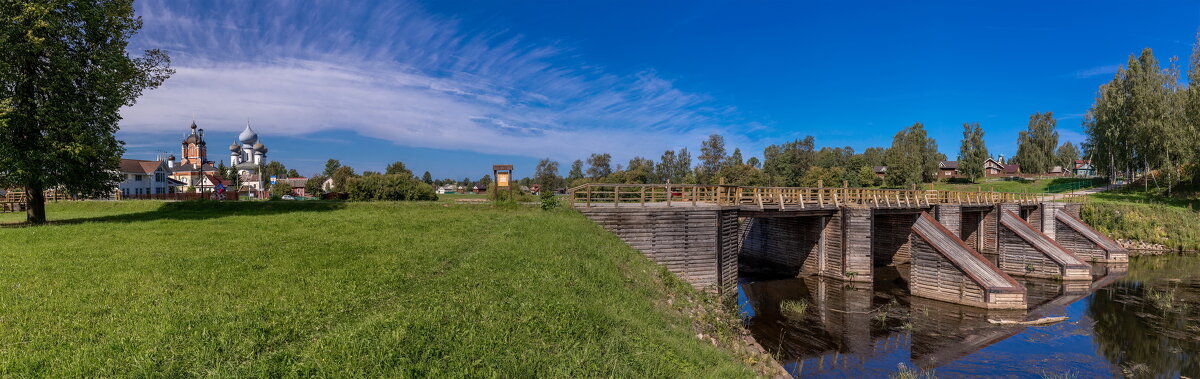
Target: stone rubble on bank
1139	248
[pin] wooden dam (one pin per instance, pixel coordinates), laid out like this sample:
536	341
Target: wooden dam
704	233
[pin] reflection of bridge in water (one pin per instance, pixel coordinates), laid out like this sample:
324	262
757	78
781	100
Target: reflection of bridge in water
850	323
706	234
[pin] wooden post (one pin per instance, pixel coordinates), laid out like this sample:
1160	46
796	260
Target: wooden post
694	190
642	195
668	196
616	196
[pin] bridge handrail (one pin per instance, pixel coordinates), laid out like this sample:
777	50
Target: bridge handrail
797	197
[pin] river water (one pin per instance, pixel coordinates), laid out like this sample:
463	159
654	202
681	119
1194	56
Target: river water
1140	319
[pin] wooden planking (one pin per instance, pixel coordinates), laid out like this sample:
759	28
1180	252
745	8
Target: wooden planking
955	251
787	245
857	234
1039	241
950	216
690	242
1087	231
890	242
972	229
729	244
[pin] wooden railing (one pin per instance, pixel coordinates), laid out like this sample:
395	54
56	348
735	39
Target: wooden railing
618	195
18	196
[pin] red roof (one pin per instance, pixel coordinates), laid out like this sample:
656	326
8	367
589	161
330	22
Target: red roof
139	166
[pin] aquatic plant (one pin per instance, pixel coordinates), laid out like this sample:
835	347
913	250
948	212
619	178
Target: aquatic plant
1062	375
794	309
903	372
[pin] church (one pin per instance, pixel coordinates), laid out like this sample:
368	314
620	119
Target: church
194	170
247	158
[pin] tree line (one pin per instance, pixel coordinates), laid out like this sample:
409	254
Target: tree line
912	158
1145	120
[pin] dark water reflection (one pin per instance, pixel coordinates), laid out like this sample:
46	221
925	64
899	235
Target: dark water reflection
1140	319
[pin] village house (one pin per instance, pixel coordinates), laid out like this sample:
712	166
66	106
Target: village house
947	169
141	177
1083	167
297	184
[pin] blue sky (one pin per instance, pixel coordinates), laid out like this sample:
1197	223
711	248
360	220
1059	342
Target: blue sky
455	86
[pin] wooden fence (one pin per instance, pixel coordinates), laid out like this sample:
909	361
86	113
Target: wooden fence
784	198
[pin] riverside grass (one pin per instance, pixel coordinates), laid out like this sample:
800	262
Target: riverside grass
1135	216
145	288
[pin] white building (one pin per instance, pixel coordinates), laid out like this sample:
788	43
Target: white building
145	178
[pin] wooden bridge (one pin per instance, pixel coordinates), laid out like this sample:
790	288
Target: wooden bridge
706	234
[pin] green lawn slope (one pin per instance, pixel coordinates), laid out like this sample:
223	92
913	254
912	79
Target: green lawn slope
143	288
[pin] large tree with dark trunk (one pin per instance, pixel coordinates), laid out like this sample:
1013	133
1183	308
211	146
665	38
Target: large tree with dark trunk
64	75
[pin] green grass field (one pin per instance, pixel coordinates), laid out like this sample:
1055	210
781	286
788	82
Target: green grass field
144	288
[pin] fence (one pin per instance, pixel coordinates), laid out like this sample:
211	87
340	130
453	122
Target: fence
790	197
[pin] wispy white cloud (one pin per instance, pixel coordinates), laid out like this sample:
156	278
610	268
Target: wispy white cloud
397	73
1096	71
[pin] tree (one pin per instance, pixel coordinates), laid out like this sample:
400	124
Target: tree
546	174
866	177
1066	156
276	169
640	171
913	157
753	162
64	76
1035	146
280	189
486	180
292	173
427	178
973	152
786	164
600	166
331	165
340	176
315	186
712	156
398	168
735	159
576	171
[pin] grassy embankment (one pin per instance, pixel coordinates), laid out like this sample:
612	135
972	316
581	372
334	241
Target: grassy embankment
1147	216
144	288
1055	185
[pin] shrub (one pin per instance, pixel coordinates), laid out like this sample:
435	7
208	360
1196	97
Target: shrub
502	195
279	190
388	188
549	201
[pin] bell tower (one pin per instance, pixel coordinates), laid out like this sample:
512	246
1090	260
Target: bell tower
194	150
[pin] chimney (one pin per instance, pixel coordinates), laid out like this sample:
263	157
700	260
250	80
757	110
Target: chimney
1001	159
171	162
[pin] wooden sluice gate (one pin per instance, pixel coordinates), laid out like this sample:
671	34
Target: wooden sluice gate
706	234
945	268
1026	252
